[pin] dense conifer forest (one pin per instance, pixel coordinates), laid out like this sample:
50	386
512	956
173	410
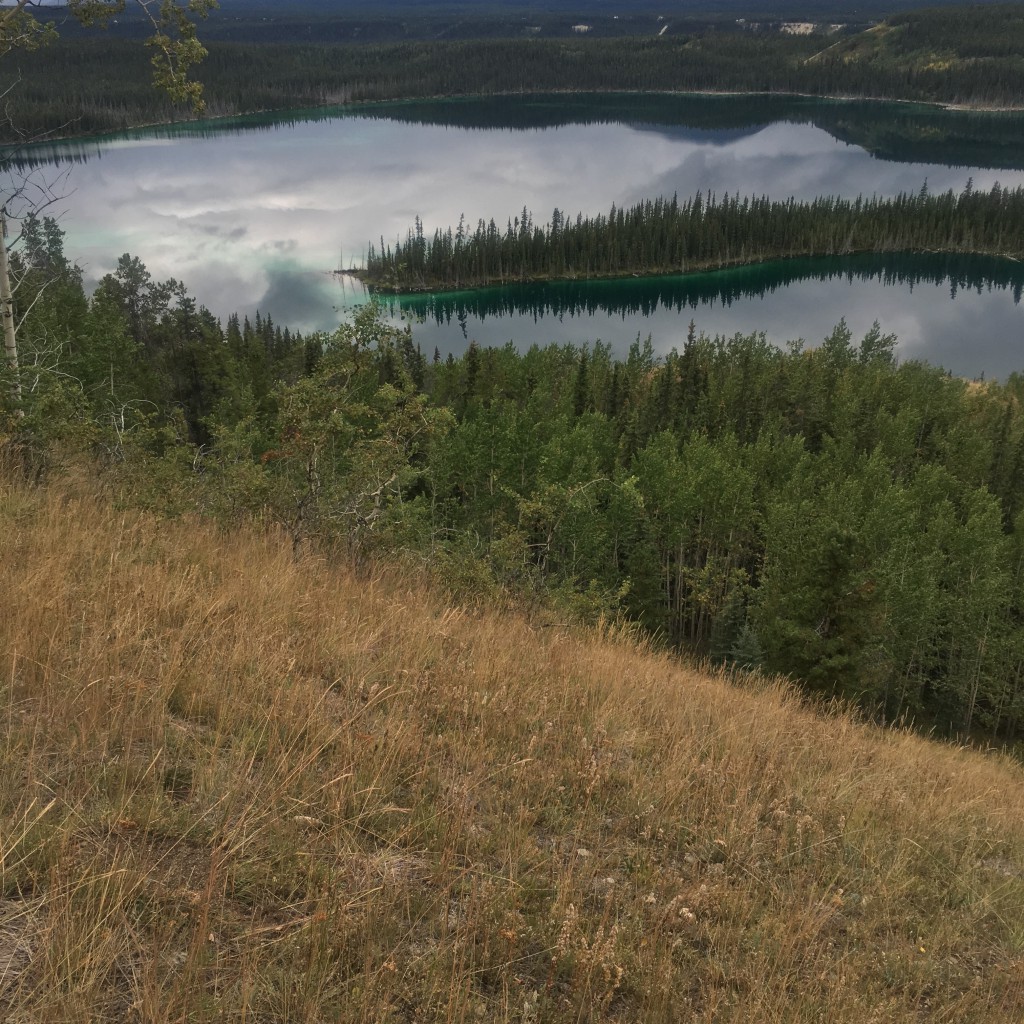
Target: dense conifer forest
829	513
89	85
665	236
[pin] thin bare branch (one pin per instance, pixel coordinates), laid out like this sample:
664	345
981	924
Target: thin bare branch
32	304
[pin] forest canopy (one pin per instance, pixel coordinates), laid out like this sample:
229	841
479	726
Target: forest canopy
829	513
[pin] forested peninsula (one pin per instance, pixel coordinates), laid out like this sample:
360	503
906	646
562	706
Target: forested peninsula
957	56
666	236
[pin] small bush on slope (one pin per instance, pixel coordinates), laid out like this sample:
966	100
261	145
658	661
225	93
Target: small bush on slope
239	786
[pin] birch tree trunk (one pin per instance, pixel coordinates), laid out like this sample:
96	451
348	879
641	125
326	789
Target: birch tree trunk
7	311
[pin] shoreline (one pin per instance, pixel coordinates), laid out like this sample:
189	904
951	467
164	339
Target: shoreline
351	104
394	292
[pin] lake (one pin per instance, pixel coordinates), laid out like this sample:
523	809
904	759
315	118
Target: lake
253	213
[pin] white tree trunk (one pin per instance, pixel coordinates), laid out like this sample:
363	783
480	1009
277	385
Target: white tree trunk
7	310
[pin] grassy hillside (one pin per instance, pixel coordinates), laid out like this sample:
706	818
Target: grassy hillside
241	787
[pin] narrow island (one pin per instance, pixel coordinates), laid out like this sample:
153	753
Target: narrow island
705	232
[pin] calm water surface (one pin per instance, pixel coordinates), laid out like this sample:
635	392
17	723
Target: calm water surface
254	213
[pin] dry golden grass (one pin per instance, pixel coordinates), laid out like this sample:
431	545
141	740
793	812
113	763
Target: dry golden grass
238	787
